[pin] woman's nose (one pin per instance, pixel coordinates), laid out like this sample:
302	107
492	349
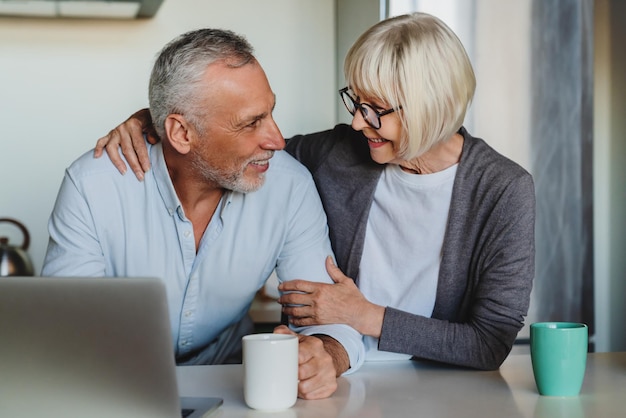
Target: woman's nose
358	121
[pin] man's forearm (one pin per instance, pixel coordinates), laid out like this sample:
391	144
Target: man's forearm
340	357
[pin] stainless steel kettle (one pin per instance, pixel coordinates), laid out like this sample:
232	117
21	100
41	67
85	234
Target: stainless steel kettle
14	261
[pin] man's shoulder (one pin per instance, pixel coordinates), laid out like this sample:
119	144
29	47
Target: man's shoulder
283	164
86	166
286	179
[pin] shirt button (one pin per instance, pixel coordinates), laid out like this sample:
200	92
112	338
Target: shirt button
188	314
187	233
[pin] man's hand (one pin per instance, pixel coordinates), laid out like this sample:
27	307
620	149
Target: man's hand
129	137
321	359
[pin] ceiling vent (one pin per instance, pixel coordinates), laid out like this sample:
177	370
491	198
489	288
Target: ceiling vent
82	9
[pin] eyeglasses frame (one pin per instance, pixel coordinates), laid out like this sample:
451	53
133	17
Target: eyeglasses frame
361	106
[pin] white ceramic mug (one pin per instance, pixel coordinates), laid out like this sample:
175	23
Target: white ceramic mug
270	363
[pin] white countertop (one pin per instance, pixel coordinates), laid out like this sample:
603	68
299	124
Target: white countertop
411	388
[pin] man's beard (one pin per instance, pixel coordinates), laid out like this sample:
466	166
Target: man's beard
234	180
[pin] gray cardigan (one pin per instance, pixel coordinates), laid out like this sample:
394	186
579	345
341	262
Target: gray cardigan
487	264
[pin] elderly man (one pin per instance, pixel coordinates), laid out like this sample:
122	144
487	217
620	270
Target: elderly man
220	210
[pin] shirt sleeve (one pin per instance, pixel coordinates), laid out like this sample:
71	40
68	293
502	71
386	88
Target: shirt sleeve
73	247
303	257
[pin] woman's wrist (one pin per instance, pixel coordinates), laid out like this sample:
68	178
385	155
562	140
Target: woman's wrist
370	321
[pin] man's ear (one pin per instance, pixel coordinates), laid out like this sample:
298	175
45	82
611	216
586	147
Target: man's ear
178	132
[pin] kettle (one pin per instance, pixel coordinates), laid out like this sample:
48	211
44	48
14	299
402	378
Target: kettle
14	261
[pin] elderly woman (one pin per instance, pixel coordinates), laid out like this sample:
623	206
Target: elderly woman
433	229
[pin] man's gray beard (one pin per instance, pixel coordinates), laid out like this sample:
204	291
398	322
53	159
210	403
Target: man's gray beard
234	181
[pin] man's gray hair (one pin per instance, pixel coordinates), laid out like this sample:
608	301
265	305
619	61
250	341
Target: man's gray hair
180	65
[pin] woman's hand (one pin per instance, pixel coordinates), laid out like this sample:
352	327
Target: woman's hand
129	136
312	303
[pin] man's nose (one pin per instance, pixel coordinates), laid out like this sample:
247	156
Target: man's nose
273	137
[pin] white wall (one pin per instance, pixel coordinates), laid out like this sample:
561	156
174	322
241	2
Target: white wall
64	83
353	18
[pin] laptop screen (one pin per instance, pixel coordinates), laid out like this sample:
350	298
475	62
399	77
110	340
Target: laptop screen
96	347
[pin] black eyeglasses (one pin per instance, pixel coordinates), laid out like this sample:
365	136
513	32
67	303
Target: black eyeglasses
370	115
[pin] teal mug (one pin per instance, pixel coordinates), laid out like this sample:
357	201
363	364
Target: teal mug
558	352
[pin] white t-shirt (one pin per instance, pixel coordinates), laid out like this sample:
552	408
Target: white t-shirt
403	241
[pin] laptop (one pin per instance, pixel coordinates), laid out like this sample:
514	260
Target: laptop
89	347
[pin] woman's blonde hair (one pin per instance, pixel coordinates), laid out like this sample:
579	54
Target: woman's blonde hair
415	62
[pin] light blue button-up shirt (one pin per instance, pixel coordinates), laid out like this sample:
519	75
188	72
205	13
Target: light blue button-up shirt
106	224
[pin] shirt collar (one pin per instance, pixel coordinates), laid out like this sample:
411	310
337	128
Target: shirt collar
163	180
166	187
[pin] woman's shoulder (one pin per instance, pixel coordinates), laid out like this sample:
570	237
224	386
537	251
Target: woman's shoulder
340	132
486	179
342	144
480	158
